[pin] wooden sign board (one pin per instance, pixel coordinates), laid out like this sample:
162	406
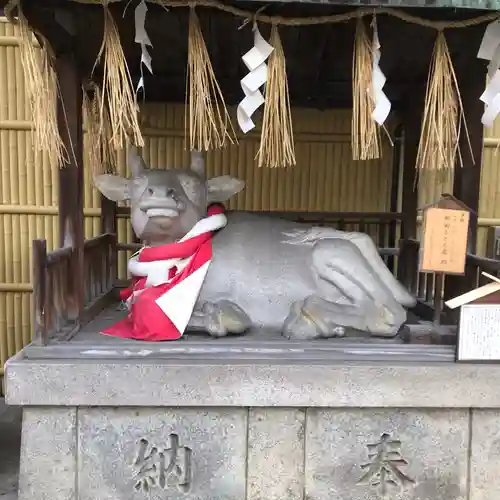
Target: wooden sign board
445	240
479	333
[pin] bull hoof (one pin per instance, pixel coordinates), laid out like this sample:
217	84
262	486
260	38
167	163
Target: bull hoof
225	318
301	325
384	324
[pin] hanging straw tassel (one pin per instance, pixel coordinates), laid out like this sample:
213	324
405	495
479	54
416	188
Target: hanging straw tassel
365	134
443	114
42	91
117	91
276	141
207	118
102	156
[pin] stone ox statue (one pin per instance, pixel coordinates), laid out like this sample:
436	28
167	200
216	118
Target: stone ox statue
266	273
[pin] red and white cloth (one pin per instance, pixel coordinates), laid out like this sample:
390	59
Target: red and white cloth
166	283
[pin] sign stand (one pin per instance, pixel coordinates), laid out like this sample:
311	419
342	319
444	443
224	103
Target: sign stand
479	325
444	248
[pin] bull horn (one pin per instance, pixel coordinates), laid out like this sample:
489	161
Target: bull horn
198	162
135	162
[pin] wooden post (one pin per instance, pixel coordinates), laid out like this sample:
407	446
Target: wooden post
109	226
438	303
39	262
397	166
412	122
412	119
108	216
467	179
71	227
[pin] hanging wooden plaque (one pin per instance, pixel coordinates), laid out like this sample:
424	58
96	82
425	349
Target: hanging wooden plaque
445	240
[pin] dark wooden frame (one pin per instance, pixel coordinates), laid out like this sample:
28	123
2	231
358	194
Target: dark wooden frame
54	282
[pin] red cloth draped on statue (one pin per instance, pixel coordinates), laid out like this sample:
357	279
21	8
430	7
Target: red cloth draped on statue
162	312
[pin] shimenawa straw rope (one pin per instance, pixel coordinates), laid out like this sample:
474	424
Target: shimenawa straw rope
443	114
276	140
42	92
102	156
208	124
207	120
365	133
307	21
117	90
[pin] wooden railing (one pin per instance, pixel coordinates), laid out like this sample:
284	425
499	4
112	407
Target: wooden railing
54	305
58	308
381	226
100	266
476	265
429	288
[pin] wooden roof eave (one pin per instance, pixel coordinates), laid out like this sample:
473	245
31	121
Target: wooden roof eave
436	4
56	21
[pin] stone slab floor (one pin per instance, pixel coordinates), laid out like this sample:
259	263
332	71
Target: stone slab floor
10	443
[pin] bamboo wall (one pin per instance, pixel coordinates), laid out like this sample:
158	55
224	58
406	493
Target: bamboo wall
28	206
325	179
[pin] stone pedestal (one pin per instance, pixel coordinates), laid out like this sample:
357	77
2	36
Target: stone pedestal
231	428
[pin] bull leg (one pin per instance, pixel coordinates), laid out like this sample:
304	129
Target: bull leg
367	247
350	295
221	318
371	254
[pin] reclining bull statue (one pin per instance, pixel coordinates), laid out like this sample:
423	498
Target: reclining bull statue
259	273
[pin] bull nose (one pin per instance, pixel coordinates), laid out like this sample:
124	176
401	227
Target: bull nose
168	192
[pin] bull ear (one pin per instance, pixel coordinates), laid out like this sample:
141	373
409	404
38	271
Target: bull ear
135	162
197	162
220	189
113	187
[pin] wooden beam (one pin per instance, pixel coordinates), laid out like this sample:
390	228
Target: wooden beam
304	92
43	20
71	227
385	3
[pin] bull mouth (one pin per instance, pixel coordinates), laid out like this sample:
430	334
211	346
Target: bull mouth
162	212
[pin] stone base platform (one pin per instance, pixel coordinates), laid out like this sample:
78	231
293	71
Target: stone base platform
238	419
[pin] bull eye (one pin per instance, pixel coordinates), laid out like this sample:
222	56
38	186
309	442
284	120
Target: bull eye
150	191
170	192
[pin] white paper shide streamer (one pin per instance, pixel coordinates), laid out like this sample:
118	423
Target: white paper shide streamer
142	38
255	61
490	51
382	103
